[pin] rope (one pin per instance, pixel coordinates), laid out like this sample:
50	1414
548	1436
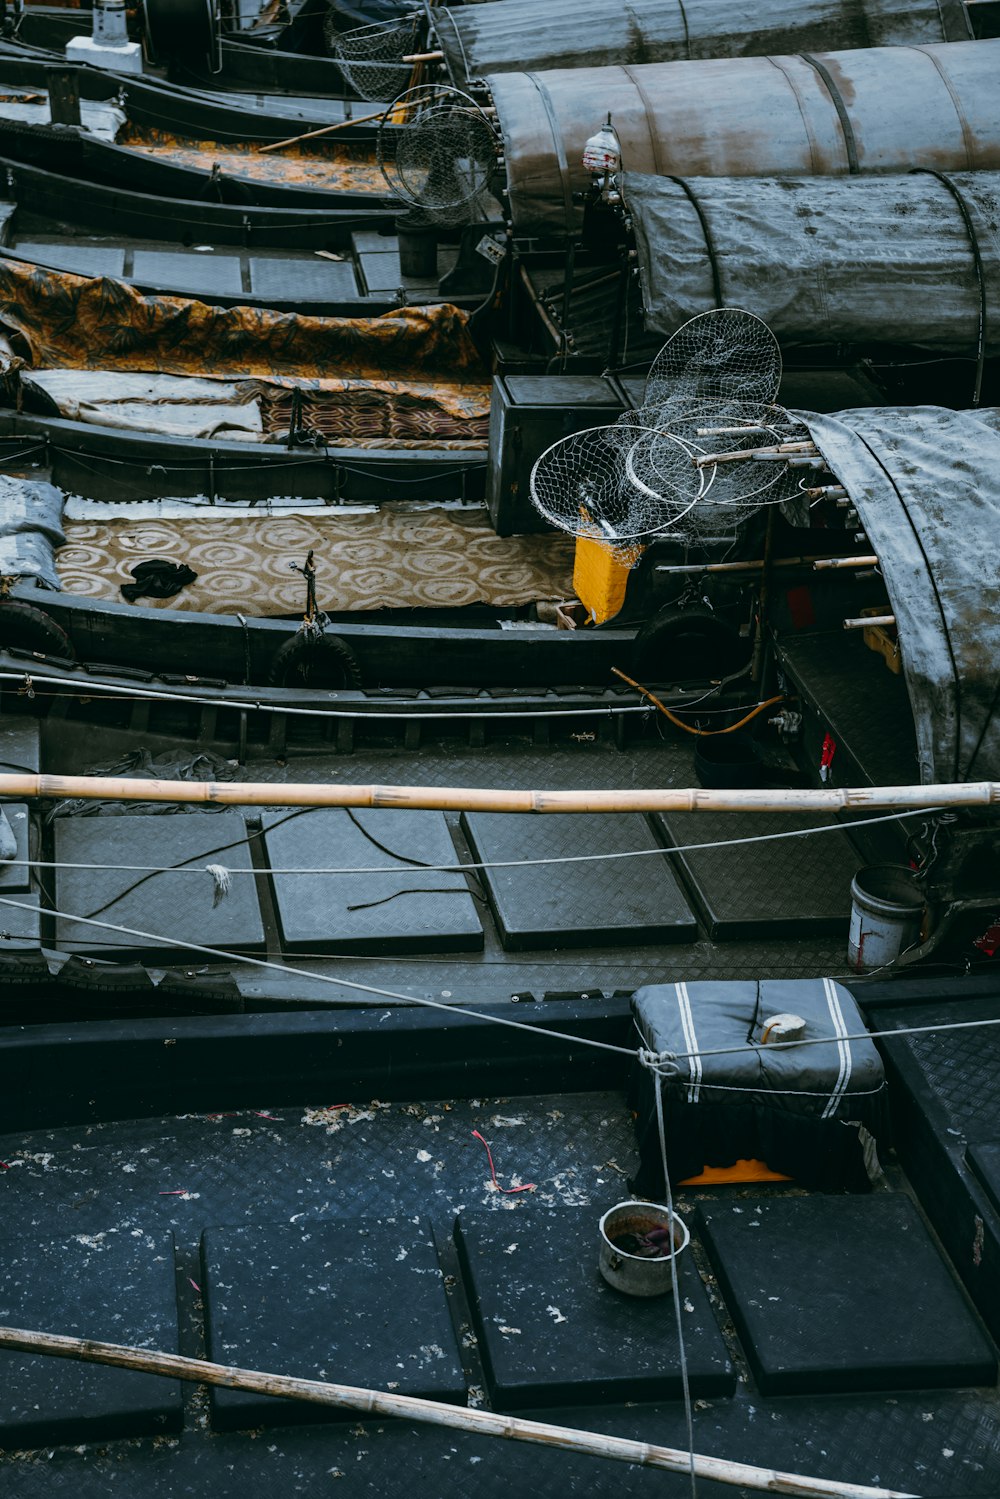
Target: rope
664	1063
688	728
637	853
322	978
116	692
674	1279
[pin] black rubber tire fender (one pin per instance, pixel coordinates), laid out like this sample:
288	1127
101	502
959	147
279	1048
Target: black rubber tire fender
323	661
25	628
687	643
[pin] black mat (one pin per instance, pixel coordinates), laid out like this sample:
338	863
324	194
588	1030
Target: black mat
359	1301
20	928
171	905
307	281
985	1162
945	1088
189	271
113	1285
551	1331
549	905
20	744
409	909
789	886
835	1294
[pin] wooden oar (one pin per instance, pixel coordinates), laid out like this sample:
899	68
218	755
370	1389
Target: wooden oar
311	135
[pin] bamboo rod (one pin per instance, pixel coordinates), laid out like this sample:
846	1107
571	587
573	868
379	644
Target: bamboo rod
822	563
774	450
869	619
435	1413
22	787
741	567
310	135
424	57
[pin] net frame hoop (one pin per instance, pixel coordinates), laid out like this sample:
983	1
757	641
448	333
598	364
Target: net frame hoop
432	93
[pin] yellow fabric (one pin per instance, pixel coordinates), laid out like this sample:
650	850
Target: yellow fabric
340	165
82	322
600	576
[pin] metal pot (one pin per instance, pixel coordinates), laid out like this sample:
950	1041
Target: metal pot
633	1273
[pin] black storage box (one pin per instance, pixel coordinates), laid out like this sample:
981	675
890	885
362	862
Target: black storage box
816	1113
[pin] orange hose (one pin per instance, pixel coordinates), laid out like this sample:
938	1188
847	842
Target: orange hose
679	722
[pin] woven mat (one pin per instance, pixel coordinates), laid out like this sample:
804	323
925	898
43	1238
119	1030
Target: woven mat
390	559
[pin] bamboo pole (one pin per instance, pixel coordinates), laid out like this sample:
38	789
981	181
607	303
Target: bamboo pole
424	57
744	567
435	1413
869	619
22	787
822	563
310	135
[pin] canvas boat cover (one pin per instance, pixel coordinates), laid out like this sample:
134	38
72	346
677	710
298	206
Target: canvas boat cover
926	485
878	109
414	375
504	36
30	529
826	260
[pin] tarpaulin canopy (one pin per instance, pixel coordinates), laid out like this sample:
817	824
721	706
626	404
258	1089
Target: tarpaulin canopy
503	36
926	485
861	260
879	109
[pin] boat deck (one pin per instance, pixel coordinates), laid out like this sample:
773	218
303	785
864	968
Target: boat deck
244	1231
319	283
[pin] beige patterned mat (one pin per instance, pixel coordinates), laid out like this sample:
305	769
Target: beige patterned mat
389	559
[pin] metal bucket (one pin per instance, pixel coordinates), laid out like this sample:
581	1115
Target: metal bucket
886	911
633	1273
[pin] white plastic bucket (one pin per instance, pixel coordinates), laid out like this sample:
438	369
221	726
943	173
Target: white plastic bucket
886	912
635	1274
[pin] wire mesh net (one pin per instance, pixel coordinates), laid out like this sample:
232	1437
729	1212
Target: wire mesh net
696	460
593	484
723	355
437	151
371	57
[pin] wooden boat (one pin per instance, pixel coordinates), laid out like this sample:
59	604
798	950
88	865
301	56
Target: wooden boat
197	148
254	63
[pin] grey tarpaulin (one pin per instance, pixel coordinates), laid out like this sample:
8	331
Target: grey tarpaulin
824	259
878	109
507	35
30	529
926	485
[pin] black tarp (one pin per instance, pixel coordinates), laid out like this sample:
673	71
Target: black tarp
504	36
826	260
926	485
880	109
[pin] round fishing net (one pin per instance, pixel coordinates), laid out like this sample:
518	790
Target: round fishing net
723	355
371	57
437	151
602	484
